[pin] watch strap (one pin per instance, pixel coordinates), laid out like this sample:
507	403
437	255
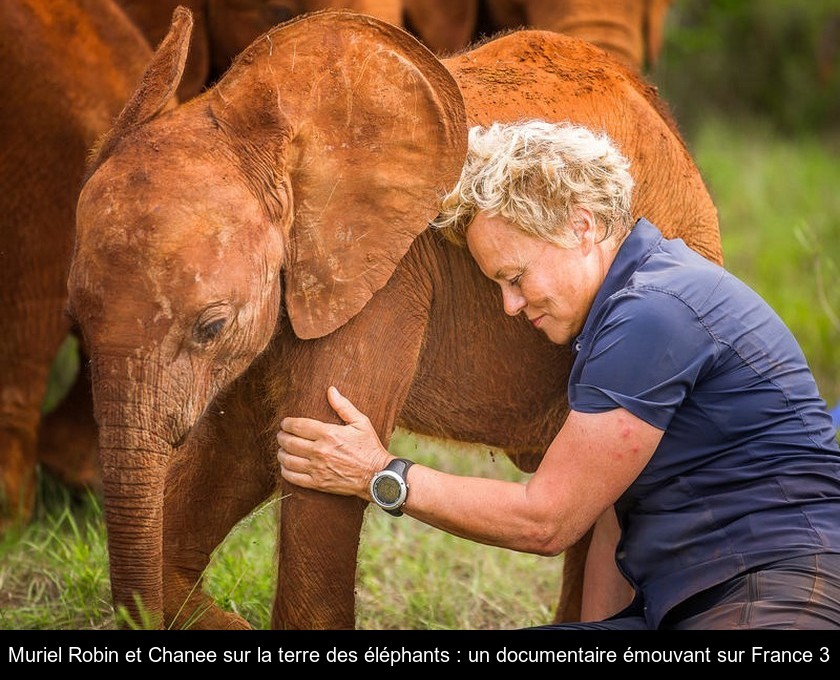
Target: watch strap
400	466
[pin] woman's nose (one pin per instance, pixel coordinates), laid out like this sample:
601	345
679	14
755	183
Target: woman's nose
513	301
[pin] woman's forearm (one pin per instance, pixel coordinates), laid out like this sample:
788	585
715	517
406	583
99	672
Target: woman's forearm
489	511
581	474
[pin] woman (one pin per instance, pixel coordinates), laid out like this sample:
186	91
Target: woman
696	443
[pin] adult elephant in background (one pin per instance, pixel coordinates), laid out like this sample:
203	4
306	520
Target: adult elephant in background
269	238
630	30
69	66
223	28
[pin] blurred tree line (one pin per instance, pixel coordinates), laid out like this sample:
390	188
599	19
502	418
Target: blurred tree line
777	60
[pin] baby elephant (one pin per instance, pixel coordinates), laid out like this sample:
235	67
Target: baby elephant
268	238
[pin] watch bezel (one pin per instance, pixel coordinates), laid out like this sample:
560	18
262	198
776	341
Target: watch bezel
395	470
403	493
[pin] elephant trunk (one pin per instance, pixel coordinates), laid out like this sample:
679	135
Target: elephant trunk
133	476
136	440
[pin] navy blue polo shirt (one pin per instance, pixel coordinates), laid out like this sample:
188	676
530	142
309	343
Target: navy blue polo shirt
748	469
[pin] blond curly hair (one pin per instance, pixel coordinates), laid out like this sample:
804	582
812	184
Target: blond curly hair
533	173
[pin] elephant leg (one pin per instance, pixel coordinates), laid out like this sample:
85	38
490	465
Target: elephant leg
319	533
571	592
372	359
570	600
18	463
24	367
319	540
67	439
224	471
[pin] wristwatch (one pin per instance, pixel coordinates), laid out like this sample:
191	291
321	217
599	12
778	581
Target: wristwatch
388	487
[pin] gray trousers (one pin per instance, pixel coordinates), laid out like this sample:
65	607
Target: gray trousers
801	593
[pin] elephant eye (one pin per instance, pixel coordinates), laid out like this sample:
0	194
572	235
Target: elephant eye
206	331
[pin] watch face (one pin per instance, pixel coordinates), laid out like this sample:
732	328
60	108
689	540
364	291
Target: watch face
387	489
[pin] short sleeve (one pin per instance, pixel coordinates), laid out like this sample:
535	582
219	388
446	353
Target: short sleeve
645	355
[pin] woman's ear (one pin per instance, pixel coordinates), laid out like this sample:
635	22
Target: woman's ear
584	226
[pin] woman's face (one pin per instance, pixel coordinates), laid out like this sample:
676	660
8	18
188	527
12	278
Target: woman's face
553	286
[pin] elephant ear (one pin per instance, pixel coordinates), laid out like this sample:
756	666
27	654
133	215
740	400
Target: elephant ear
154	21
157	87
375	132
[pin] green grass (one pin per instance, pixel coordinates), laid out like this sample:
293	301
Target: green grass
54	573
437	581
449	582
780	218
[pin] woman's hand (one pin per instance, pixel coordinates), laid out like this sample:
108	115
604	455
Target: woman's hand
339	459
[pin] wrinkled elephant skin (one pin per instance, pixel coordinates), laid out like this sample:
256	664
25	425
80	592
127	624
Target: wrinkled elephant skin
268	238
69	66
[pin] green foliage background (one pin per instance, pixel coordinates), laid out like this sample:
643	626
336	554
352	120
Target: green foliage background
773	60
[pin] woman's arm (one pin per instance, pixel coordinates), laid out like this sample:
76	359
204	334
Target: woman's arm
591	461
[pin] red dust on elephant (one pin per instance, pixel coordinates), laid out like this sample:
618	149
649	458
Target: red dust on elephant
268	238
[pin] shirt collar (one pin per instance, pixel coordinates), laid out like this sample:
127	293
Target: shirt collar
641	240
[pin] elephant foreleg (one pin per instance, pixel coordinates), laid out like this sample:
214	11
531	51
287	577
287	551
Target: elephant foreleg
372	360
571	591
319	541
22	389
223	472
67	439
